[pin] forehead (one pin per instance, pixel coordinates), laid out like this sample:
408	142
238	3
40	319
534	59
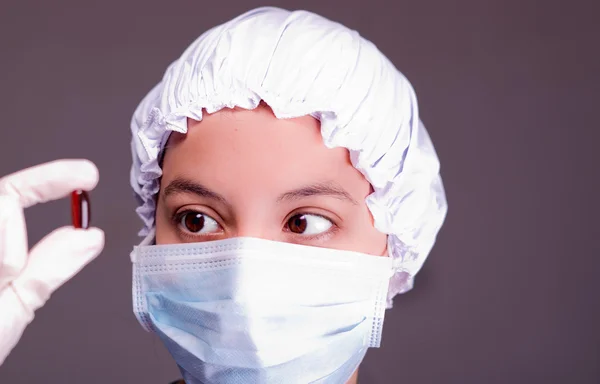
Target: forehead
244	148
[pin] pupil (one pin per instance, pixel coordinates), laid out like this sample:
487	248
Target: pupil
194	222
298	224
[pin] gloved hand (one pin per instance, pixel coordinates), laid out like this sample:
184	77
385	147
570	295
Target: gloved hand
28	278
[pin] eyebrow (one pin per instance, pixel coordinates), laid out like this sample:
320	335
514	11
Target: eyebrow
328	188
181	185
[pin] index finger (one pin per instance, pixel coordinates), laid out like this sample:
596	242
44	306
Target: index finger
49	181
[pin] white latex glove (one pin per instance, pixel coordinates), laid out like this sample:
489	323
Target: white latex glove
28	278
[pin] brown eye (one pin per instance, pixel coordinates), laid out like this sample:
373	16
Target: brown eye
196	222
297	224
308	224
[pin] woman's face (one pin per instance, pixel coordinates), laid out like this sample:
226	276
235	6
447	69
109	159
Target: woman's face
245	173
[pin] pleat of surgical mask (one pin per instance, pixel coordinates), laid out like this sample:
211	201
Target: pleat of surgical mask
264	311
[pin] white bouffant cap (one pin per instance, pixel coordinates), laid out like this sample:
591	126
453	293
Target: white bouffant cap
300	64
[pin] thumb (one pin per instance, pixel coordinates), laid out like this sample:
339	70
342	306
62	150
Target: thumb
54	260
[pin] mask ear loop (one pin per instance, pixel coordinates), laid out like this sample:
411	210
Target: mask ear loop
148	240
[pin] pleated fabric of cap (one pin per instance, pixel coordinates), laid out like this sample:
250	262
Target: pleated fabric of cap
300	63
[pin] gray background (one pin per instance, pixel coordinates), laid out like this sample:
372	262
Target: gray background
509	92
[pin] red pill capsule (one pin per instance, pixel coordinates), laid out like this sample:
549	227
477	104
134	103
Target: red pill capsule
80	209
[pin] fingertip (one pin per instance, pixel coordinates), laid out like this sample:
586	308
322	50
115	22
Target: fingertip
83	170
78	237
96	235
50	181
93	236
87	169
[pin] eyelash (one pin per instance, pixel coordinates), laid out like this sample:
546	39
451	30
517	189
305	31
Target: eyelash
178	216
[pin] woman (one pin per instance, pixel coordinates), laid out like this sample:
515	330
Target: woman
288	192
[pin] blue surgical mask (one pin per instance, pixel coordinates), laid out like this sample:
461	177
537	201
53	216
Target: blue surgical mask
247	310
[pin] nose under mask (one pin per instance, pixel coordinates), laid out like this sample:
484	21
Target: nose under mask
248	310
